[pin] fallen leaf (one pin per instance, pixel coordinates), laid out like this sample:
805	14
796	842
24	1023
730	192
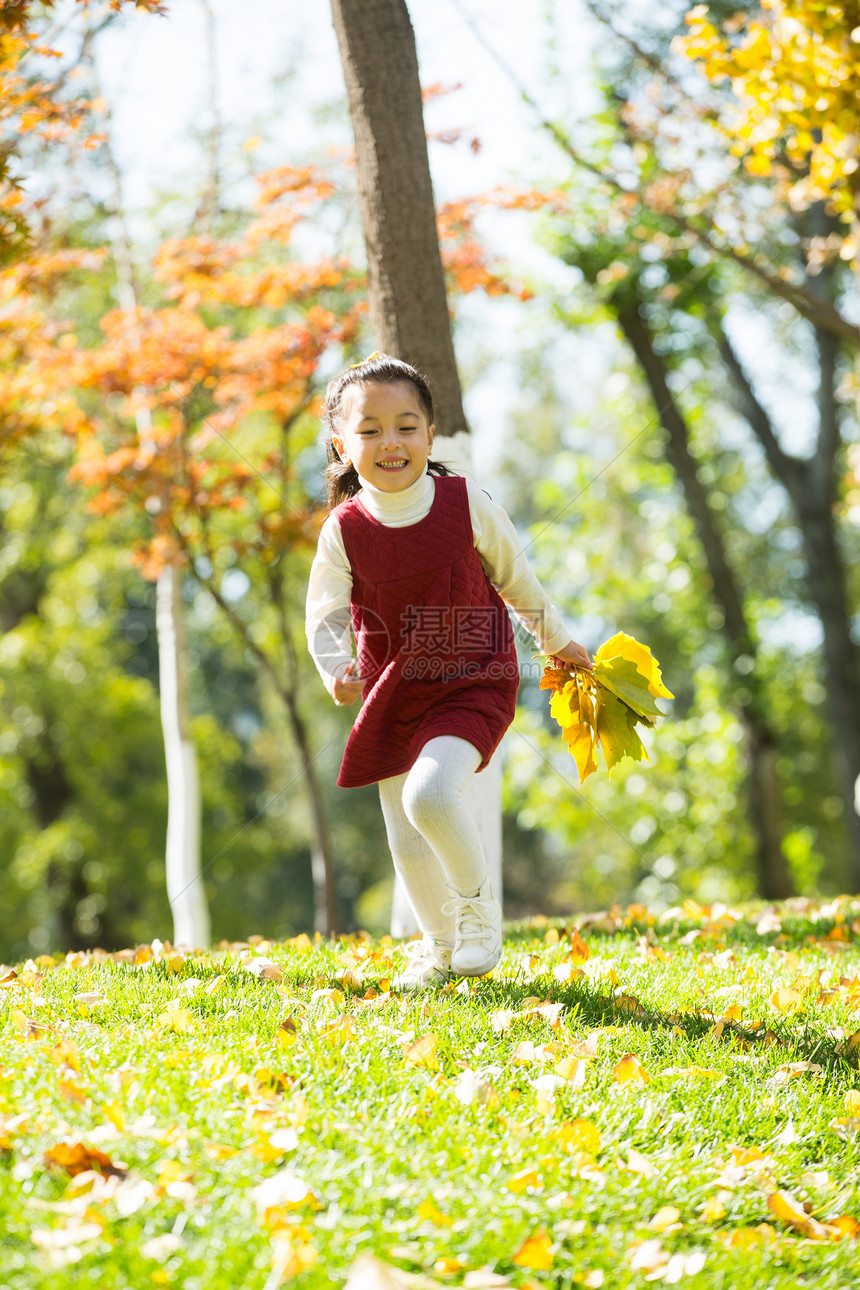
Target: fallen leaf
290	1256
523	1180
578	1135
422	1052
790	1211
264	969
76	1157
471	1087
535	1252
283	1191
793	1070
787	1001
639	1164
746	1238
578	948
667	1216
630	1070
428	1212
572	1070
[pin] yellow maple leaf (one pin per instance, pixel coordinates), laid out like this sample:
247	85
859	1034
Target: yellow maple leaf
616	730
535	1252
422	1053
623	646
630	1070
578	1135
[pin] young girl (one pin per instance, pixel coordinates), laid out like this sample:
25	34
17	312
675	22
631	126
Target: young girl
420	564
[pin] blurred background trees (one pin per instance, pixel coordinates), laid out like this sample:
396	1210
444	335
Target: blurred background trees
678	446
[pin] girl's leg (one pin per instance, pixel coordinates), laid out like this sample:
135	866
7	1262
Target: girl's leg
434	800
423	875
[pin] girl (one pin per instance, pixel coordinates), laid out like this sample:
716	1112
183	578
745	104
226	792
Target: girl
421	564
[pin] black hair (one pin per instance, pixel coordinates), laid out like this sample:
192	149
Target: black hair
341	477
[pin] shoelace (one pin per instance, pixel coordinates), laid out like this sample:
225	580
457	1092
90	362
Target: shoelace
421	954
471	917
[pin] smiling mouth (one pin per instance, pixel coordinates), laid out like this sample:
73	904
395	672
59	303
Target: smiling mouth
391	465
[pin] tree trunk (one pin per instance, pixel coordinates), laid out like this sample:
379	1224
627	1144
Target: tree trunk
408	306
811	488
326	917
185	889
764	793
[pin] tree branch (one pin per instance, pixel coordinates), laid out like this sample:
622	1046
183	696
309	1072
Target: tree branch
787	468
820	313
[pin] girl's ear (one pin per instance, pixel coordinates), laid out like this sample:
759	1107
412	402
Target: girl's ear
430	430
339	449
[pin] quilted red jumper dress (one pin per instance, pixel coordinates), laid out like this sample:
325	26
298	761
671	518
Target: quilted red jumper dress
435	643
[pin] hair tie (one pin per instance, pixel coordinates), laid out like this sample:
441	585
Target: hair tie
369	359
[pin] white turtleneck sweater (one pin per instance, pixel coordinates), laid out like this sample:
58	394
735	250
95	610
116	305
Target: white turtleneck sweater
496	541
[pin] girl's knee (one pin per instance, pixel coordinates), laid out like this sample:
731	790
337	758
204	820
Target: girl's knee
429	800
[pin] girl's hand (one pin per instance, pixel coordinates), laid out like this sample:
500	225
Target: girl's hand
573	653
347	687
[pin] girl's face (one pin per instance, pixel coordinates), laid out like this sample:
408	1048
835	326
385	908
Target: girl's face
384	434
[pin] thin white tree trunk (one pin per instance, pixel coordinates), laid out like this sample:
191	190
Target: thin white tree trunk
485	790
184	880
185	889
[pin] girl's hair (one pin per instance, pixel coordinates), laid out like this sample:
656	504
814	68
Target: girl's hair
342	480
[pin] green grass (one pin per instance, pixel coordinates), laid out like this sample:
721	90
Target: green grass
197	1082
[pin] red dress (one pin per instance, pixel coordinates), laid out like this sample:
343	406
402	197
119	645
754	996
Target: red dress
435	643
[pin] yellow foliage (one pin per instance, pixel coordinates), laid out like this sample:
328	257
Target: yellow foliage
795	76
603	706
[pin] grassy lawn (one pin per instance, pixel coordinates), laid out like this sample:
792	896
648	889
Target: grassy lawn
667	1100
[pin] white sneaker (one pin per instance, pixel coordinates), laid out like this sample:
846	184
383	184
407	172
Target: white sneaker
477	932
428	966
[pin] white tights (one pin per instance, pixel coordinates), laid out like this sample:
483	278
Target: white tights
433	837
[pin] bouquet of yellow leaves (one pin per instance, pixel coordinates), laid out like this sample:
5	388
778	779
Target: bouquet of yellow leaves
605	705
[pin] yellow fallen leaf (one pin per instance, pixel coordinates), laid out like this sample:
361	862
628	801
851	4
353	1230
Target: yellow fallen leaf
422	1052
630	1070
447	1267
694	1072
578	948
852	1101
845	1225
428	1212
578	1135
291	1256
284	1191
787	1001
639	1164
521	1181
667	1216
793	1070
747	1238
712	1210
113	1111
535	1252
790	1211
587	1048
571	1069
501	1020
77	1157
72	1092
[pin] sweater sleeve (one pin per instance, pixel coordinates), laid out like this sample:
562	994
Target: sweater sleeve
506	565
327	616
